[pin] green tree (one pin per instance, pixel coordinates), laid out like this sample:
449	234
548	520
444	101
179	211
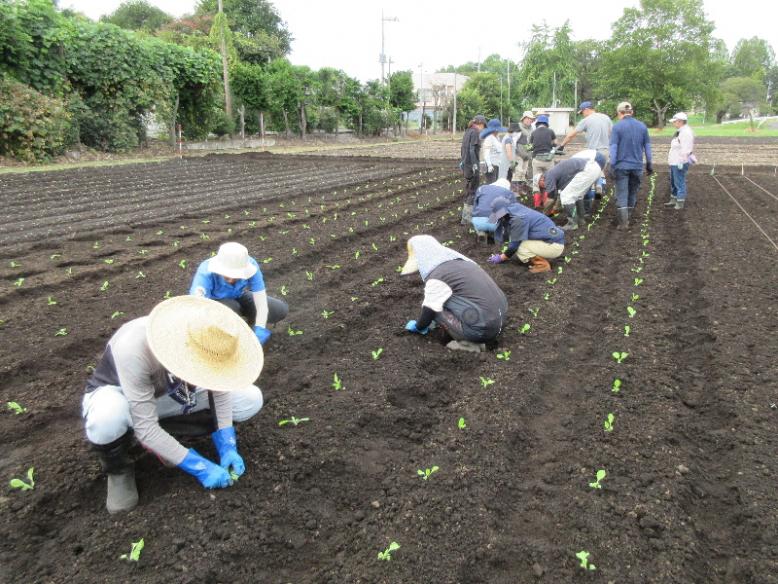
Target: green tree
752	57
138	15
401	93
487	87
547	75
742	95
284	92
660	56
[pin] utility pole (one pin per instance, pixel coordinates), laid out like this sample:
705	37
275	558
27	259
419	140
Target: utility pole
500	98
421	96
553	92
454	124
479	59
382	57
225	65
508	68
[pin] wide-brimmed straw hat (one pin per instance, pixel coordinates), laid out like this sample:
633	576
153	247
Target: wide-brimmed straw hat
232	261
204	343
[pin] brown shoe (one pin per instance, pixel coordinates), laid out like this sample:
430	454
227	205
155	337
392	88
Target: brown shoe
539	264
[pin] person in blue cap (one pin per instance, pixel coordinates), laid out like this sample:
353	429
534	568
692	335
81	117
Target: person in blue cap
543	142
482	206
492	149
629	143
233	278
533	237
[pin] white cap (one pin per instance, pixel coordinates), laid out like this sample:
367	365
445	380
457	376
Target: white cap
624	107
680	116
528	114
232	261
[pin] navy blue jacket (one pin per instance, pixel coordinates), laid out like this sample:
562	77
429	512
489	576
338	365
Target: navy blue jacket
629	139
482	204
524	224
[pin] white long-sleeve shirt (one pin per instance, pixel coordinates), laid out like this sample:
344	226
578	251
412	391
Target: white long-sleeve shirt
492	150
681	146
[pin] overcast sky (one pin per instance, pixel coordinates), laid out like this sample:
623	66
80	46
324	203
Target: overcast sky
346	34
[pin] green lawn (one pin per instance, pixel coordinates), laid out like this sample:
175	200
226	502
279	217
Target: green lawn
739	129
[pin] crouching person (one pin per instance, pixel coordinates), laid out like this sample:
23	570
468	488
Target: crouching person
482	205
190	356
533	237
233	278
573	178
458	295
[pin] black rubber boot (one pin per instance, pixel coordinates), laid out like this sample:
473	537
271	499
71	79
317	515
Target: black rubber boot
580	210
572	219
120	469
622	217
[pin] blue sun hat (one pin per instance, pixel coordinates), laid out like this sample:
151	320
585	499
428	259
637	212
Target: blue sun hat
541	119
494	125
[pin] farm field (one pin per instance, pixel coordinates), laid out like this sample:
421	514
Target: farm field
689	452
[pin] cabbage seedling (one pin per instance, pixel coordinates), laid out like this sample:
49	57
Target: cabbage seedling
427	472
357	254
108	261
631	311
309	275
50	301
294	421
534	311
638	281
292	332
15	408
546	296
182	264
63	332
55	256
461	424
616	386
15	264
284	290
486	382
377	282
505	355
525	328
601	474
135	550
608	423
117	314
559	269
627	330
619	356
583	556
333	266
337	382
20	484
551	282
267	260
327	313
634	297
19	282
377	353
168	294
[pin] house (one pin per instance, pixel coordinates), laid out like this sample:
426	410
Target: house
435	95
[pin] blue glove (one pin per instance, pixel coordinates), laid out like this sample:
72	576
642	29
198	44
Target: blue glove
412	328
227	446
210	475
262	333
495	258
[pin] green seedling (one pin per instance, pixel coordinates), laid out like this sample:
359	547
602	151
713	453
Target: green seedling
14	264
568	259
634	297
108	261
427	472
205	221
96	245
486	382
252	224
608	423
637	269
461	424
19	282
583	556
284	290
627	330
309	275
374	246
50	301
616	386
182	264
292	332
294	251
21	485
333	266
69	271
357	254
638	281
15	408
55	256
234	476
143	252
525	328
601	474
63	332
312	241
551	282
559	269
631	311
546	296
377	282
267	260
398	269
117	314
140	275
135	550
337	382
619	356
327	313
160	232
177	243
104	286
168	295
534	311
505	355
377	353
294	421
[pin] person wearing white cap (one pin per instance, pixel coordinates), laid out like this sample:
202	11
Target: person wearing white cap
190	355
522	173
232	277
679	158
458	295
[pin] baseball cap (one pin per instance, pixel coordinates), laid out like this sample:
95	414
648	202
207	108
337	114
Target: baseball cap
624	107
479	119
584	105
680	116
528	114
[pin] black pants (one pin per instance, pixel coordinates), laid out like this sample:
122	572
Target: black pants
245	307
472	182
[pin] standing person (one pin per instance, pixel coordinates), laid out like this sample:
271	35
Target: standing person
522	173
679	158
543	141
569	181
629	141
458	295
533	237
508	155
470	163
492	149
233	278
597	127
165	365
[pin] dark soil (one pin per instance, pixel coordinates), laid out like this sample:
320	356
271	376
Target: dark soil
689	494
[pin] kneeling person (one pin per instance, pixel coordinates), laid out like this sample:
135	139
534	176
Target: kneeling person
233	278
533	237
189	355
458	295
482	205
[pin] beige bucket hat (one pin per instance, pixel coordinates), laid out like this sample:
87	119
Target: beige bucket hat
411	265
204	343
232	261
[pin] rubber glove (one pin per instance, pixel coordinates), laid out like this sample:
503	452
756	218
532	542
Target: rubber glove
679	166
495	259
227	446
262	333
560	148
412	328
475	168
489	168
649	168
210	475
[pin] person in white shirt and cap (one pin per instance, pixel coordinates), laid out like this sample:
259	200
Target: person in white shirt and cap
680	157
190	355
459	295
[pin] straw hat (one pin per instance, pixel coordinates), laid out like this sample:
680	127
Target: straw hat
232	261
204	343
411	265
